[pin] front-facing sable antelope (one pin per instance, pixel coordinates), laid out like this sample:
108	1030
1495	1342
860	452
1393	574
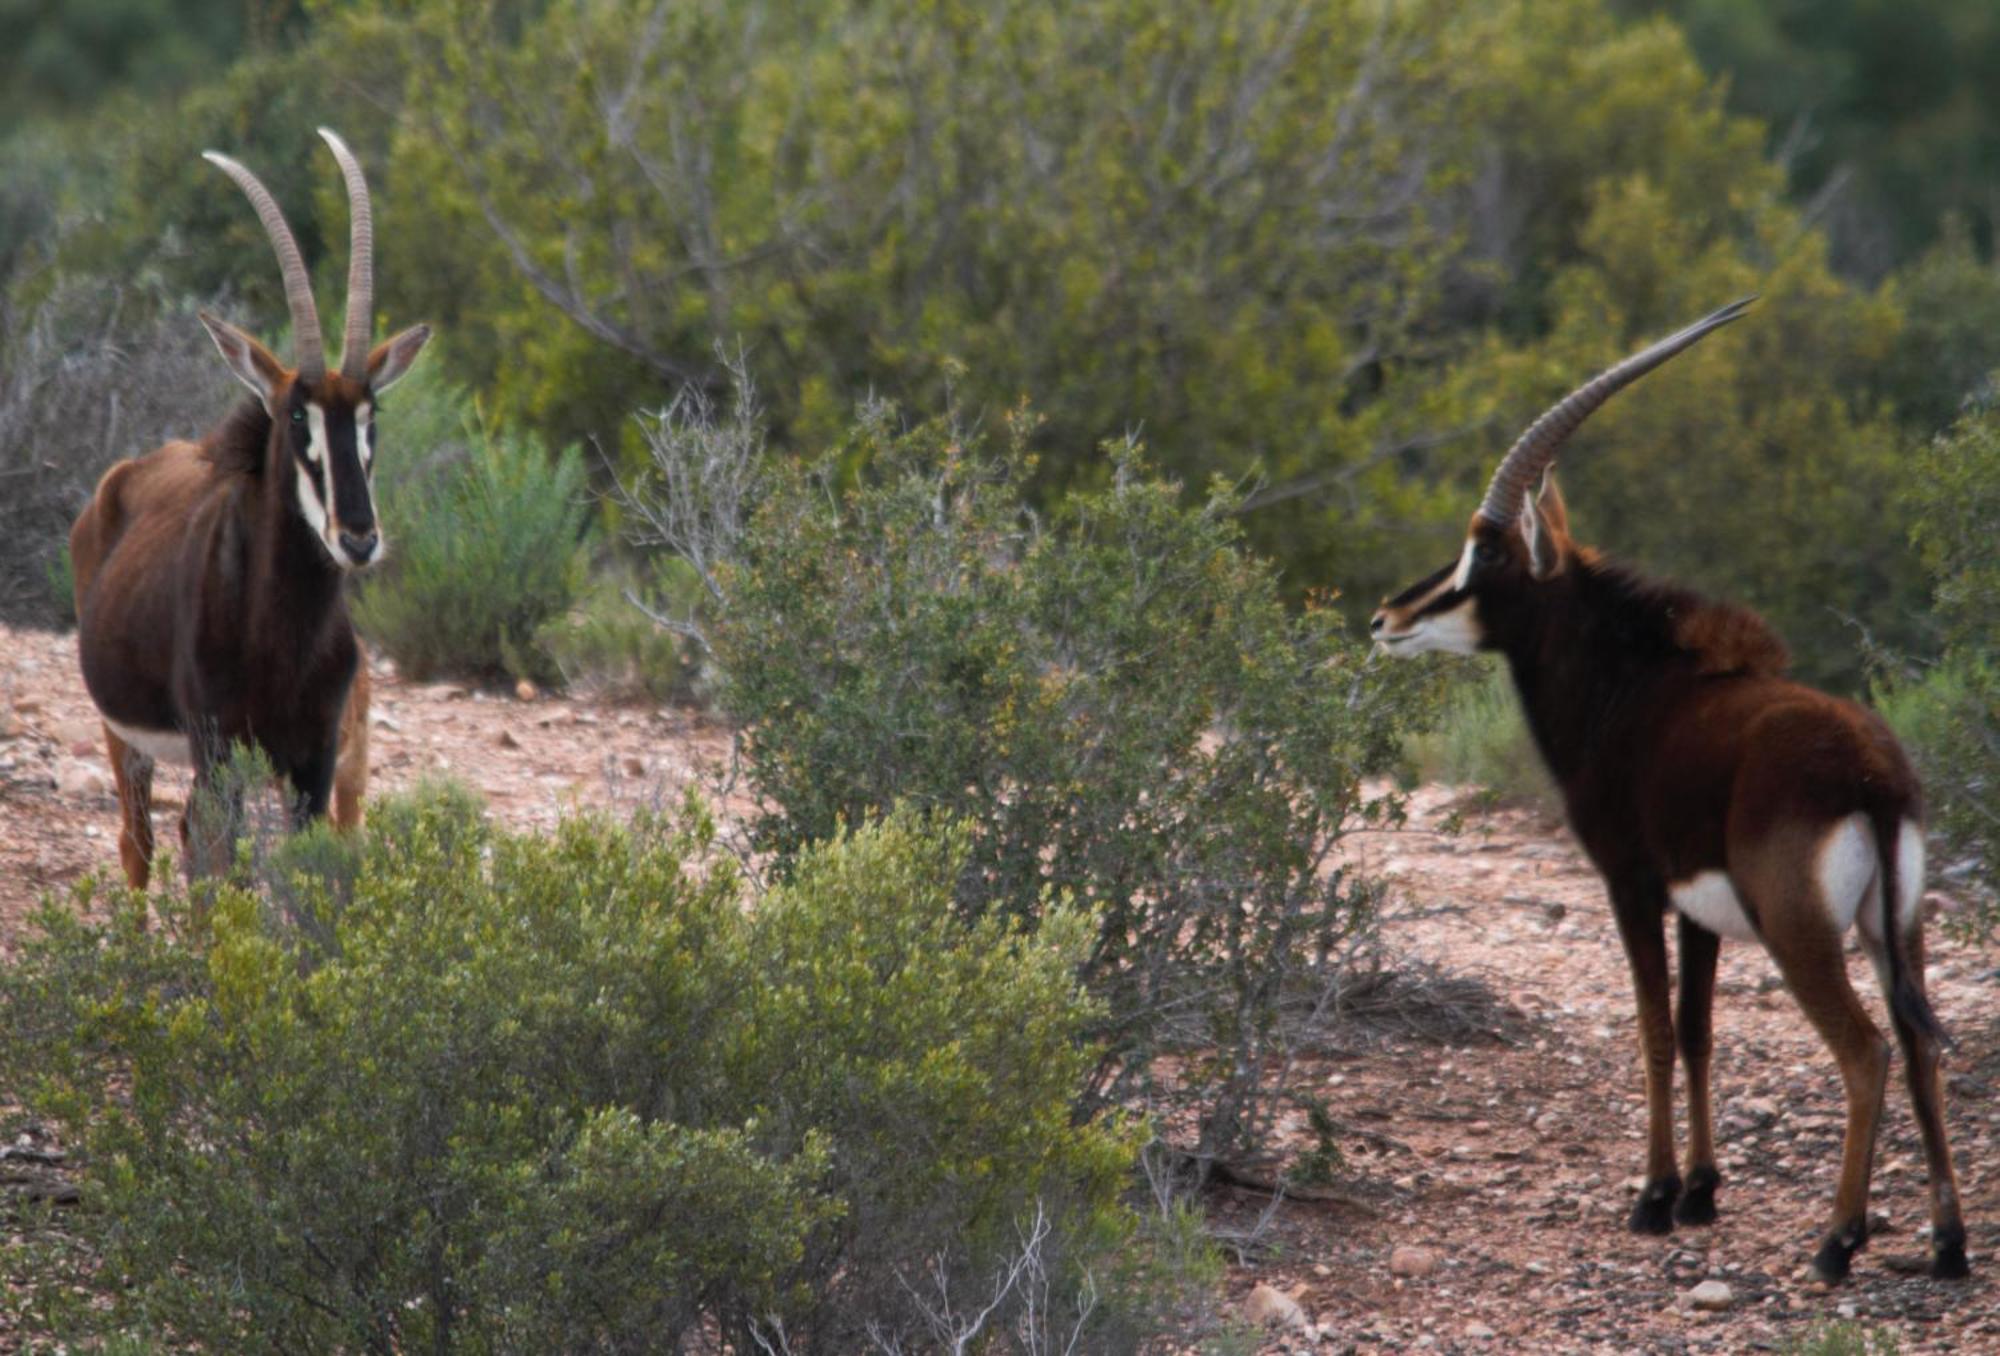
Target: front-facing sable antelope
1700	779
209	575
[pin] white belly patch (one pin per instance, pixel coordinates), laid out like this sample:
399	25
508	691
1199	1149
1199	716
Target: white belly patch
165	746
1710	900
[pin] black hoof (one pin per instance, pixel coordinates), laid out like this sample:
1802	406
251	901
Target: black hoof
1653	1212
1948	1255
1697	1203
1836	1255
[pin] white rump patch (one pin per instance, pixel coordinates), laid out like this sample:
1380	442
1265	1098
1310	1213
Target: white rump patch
1710	900
1909	880
1909	873
162	746
1845	870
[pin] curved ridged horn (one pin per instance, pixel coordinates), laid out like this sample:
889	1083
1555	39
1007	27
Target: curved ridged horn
360	262
1535	450
298	287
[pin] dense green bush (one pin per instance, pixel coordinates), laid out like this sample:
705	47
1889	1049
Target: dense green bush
1949	711
487	535
1339	254
446	1089
1117	702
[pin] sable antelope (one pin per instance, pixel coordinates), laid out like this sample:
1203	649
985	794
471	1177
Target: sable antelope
1699	778
209	575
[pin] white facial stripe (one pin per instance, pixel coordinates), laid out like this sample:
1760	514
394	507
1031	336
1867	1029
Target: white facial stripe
309	504
364	428
1464	570
316	435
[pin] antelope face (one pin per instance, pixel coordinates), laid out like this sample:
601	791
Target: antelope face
1440	612
323	434
329	442
1464	607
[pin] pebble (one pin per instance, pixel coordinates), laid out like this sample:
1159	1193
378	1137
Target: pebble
1407	1259
1711	1296
75	777
1268	1307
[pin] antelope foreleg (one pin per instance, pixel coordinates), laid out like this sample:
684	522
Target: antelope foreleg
1694	1032
132	772
1641	924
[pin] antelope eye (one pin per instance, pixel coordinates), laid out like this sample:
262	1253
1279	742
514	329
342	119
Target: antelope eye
1485	553
298	416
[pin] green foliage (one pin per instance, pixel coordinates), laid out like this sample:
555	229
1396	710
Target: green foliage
608	644
1950	344
1887	112
68	54
1337	255
1117	702
1845	1339
1482	740
488	542
473	1092
1949	712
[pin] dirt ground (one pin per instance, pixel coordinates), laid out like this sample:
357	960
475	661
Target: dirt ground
1502	1170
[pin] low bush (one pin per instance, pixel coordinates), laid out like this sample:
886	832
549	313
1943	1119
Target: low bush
455	1090
1948	711
89	372
609	643
487	534
1482	741
1117	703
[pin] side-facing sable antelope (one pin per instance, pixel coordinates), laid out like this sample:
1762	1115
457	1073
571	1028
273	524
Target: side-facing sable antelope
1700	779
209	575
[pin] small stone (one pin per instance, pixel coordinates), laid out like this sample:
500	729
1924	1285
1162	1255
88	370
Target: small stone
1476	1331
525	691
507	740
75	777
634	766
26	706
1269	1307
1711	1296
1407	1259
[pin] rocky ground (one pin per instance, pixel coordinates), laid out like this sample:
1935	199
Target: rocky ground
1481	1203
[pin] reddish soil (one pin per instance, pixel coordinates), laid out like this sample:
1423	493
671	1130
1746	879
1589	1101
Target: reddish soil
1512	1161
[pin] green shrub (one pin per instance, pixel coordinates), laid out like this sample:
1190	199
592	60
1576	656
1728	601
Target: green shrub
487	543
463	1091
1845	1339
1482	740
1118	704
1948	712
610	644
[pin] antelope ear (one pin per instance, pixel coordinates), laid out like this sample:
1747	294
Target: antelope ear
249	360
394	357
1545	528
1551	504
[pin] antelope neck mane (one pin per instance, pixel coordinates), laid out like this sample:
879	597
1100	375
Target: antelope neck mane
1663	619
238	444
